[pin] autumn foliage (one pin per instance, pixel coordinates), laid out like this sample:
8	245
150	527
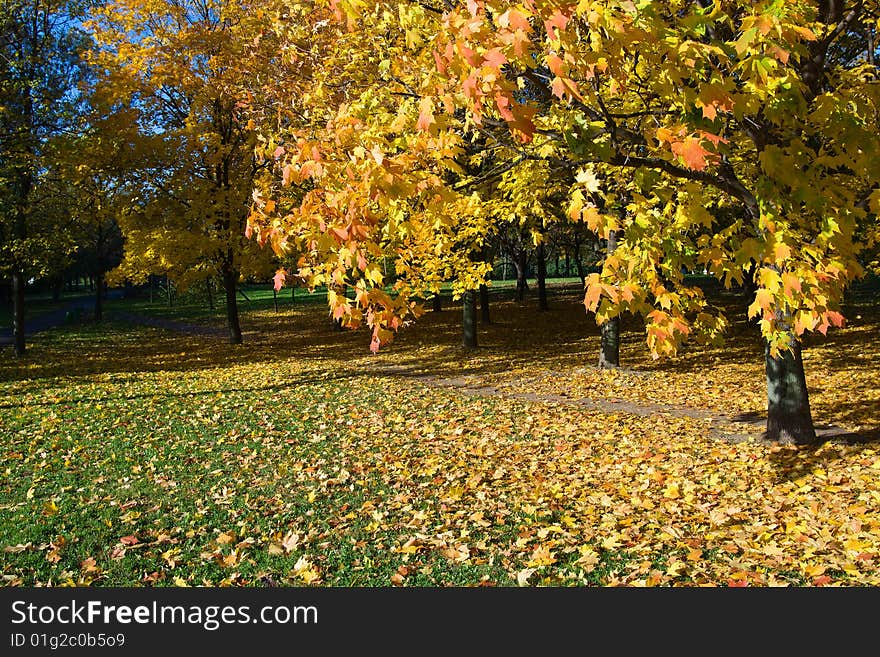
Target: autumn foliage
720	157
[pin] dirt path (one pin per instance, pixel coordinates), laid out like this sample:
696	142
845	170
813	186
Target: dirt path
731	428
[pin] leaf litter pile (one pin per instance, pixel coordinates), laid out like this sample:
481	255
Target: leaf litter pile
137	456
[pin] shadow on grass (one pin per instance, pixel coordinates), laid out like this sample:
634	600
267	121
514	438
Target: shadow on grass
512	339
794	463
518	337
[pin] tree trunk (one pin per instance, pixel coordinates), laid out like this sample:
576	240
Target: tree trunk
275	298
484	305
750	285
438	303
582	274
18	312
542	277
209	287
609	350
788	406
230	285
99	297
522	285
469	320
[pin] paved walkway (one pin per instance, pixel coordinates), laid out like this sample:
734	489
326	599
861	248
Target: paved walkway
47	320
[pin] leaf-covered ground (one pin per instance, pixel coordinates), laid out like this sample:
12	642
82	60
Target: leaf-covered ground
138	456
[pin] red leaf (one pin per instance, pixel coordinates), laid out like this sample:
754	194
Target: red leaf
836	318
557	21
279	278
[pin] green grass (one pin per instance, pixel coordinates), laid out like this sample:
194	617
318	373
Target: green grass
135	456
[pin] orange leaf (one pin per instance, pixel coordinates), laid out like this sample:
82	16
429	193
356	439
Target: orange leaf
554	63
426	114
790	283
763	301
593	293
692	152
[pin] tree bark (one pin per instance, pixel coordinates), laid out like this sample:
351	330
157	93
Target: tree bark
522	285
438	303
789	420
469	320
484	305
18	312
209	288
542	277
230	285
582	274
609	349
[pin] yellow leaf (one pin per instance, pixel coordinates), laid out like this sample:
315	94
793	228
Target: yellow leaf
671	492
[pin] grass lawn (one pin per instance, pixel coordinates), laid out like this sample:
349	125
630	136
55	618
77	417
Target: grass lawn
137	456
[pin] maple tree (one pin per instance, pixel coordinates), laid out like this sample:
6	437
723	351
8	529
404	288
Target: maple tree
709	106
94	164
694	110
363	173
181	67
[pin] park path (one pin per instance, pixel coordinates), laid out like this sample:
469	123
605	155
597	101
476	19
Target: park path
45	321
732	428
60	316
737	428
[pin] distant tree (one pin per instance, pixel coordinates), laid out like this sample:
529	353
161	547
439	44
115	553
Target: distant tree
183	66
40	68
